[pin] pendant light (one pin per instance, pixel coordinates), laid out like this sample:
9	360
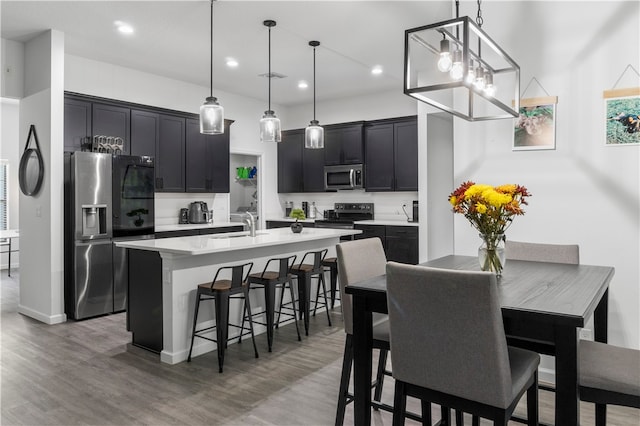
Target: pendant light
211	113
270	130
314	134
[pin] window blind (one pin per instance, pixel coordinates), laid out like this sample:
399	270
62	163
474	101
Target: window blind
4	201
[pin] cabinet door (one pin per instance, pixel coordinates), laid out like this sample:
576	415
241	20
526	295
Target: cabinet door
379	157
371	231
77	125
332	147
114	121
170	154
145	132
218	153
290	161
313	170
406	156
198	161
402	244
352	145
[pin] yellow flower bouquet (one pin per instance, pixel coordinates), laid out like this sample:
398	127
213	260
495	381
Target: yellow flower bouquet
490	210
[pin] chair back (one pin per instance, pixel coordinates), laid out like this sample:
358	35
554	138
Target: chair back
554	253
357	260
447	333
318	257
239	274
284	266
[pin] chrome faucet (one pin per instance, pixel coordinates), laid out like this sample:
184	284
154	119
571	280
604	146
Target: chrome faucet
251	222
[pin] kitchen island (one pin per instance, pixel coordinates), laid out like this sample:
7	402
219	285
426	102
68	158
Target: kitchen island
164	274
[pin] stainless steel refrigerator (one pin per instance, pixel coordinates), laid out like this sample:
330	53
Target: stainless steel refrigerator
107	199
88	233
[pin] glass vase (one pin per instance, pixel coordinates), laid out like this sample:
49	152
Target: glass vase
491	253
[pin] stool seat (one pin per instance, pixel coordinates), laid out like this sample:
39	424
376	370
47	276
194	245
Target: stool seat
302	267
220	285
265	276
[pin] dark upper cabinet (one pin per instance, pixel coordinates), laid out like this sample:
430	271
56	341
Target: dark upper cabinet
145	132
290	161
207	159
379	167
77	125
406	155
170	154
391	162
112	121
343	144
313	170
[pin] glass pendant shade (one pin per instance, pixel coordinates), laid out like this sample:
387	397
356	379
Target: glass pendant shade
211	117
270	130
314	136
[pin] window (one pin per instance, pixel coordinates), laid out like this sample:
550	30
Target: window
4	195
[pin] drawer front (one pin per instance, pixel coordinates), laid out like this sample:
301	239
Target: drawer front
402	231
370	231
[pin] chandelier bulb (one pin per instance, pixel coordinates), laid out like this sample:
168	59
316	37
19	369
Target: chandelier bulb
444	63
457	69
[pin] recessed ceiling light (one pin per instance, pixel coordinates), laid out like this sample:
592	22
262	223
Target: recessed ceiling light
232	63
376	70
302	84
123	27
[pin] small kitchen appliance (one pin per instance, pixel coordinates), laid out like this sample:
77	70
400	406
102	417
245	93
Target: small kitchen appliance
415	211
198	212
350	176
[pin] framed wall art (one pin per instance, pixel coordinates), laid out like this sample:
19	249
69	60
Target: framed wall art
622	117
535	127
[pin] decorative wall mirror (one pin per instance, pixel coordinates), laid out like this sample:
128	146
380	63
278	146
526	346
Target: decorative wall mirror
31	170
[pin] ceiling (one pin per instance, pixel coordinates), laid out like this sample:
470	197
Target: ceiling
171	39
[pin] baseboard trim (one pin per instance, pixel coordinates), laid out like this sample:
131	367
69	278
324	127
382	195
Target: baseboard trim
47	319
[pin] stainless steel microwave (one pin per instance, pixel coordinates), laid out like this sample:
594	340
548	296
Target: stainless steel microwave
349	176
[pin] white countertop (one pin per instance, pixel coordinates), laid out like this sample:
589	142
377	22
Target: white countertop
230	241
188	226
359	222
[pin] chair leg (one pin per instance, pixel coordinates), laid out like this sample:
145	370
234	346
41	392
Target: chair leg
315	306
347	362
399	404
280	308
333	276
532	402
426	413
195	320
222	325
324	293
247	312
293	304
269	304
601	415
382	366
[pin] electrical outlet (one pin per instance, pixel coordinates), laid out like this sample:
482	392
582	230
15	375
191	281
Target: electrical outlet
586	334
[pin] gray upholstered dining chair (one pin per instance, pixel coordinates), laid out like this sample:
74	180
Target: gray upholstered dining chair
452	323
540	252
536	252
359	260
608	375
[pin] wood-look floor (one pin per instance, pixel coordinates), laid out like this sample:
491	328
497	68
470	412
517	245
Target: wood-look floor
86	372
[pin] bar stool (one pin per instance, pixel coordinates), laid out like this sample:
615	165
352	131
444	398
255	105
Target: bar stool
332	264
305	272
221	291
270	280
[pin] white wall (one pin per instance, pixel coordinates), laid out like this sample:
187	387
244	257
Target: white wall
41	216
12	81
583	191
10	150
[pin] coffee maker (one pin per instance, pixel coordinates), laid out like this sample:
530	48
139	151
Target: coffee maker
184	216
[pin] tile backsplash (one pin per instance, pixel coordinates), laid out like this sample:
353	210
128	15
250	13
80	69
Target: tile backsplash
388	205
168	205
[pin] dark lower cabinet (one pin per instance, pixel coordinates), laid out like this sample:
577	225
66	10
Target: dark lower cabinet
400	242
170	154
144	313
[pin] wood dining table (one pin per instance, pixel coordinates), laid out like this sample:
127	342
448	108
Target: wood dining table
542	303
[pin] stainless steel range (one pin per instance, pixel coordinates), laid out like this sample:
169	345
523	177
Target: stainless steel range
344	215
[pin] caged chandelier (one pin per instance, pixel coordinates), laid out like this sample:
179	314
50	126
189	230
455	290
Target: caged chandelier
455	66
270	130
211	112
